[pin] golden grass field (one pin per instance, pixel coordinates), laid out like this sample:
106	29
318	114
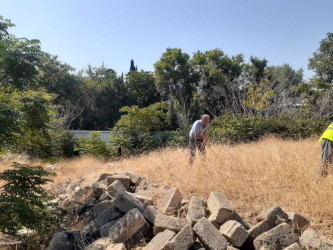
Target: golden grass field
253	176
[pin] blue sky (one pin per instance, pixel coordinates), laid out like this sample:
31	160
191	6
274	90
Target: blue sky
82	32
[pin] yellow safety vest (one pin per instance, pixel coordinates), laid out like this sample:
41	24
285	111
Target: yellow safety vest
328	134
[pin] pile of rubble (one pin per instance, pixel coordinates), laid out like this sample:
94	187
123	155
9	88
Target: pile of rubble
121	212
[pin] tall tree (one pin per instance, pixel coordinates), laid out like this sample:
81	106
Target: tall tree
176	79
141	87
219	83
322	60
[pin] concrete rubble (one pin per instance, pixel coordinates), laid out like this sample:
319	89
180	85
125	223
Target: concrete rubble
121	211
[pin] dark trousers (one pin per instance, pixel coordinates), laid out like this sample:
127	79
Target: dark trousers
193	143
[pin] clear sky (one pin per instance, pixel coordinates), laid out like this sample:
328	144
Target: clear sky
82	32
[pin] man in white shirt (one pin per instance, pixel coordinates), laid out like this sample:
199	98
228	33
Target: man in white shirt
198	136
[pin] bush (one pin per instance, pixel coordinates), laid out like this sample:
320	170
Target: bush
24	203
94	146
234	129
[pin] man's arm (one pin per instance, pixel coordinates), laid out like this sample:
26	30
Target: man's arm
205	137
198	136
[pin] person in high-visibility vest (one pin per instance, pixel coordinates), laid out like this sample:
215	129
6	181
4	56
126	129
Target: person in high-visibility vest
326	143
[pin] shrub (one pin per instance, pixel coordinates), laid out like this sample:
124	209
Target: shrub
94	146
234	129
24	203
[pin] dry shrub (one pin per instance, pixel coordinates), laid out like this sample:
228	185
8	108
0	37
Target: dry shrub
254	176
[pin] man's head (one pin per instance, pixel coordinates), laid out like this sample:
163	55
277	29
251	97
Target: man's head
205	119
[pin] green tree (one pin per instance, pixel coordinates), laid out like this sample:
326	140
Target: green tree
322	61
176	79
141	87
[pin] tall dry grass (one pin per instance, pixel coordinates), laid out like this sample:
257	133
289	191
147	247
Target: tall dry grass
253	176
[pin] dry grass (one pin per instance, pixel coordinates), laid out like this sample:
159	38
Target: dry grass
254	176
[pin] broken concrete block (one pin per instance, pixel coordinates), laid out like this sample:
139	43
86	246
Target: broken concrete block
84	195
171	201
116	246
209	236
297	222
103	177
99	244
145	199
135	179
235	233
101	207
98	188
278	237
105	196
93	228
126	226
125	202
125	180
143	235
196	210
65	240
294	246
183	240
220	207
116	188
150	214
274	214
158	242
311	240
104	229
260	228
231	248
163	222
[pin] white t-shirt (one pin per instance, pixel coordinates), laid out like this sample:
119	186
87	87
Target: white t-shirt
197	127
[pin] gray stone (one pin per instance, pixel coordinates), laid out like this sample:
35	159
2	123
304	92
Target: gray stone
279	237
127	226
125	202
259	228
84	195
93	228
101	207
209	236
235	233
143	235
116	188
104	229
311	240
105	196
135	179
231	248
98	188
297	222
294	246
222	210
116	246
99	244
150	214
183	240
159	241
145	199
163	222
171	201
196	210
67	240
125	180
103	177
274	214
